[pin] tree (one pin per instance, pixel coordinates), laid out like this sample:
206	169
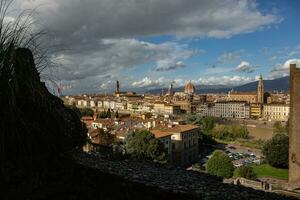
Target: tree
246	172
220	165
105	138
193	119
143	145
278	128
108	115
102	115
224	132
86	112
208	123
75	109
276	151
220	132
238	131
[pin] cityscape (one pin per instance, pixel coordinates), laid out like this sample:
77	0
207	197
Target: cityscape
137	99
176	120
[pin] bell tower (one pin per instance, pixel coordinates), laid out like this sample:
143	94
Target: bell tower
117	87
260	90
170	91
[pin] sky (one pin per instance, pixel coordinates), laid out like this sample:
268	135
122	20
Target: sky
147	44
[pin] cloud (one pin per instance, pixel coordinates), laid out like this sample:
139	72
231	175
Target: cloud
168	65
224	80
149	83
295	51
282	70
102	38
229	57
86	20
246	67
115	56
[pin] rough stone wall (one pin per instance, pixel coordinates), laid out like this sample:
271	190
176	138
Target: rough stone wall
294	151
171	179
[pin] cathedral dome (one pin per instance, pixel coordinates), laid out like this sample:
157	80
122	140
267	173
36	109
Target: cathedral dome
189	88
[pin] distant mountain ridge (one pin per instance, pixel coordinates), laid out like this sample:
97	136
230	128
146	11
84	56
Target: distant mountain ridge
279	84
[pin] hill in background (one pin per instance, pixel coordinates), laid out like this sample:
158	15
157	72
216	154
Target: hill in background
280	84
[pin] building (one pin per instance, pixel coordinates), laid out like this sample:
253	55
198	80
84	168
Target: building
256	110
185	147
294	126
276	112
117	87
225	109
165	108
190	89
170	90
232	109
82	103
260	90
184	139
250	97
165	139
186	106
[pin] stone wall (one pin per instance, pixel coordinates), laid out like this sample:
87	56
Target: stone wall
294	151
259	185
171	179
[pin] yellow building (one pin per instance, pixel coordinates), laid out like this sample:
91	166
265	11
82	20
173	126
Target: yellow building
276	112
184	142
186	106
165	108
256	111
165	139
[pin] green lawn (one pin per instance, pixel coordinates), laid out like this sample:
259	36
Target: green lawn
267	170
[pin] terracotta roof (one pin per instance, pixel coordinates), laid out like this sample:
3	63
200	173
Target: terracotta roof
87	118
160	133
174	129
185	127
189	87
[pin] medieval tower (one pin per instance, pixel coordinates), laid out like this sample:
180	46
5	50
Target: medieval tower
294	128
117	87
260	90
170	91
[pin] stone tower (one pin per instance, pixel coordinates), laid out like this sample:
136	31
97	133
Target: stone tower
117	87
162	92
294	128
170	91
260	90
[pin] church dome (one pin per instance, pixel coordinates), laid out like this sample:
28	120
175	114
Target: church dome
189	88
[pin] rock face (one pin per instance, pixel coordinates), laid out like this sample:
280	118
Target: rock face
34	124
